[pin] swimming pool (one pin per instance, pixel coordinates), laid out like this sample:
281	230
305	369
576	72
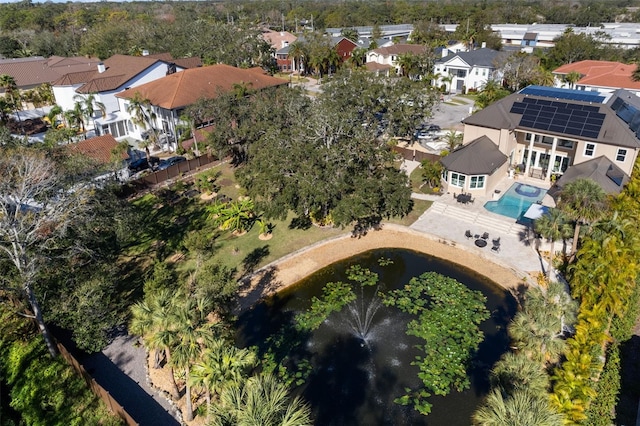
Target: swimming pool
515	202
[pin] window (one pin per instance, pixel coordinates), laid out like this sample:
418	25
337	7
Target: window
589	149
484	73
457	179
621	155
477	182
461	73
476	71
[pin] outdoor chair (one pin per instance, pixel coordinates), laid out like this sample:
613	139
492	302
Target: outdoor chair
496	247
485	236
496	242
468	234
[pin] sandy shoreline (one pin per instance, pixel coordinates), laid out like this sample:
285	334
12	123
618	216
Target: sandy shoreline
294	267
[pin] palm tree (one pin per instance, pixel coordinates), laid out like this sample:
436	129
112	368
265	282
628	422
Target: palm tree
221	365
572	78
90	106
350	33
150	320
358	57
553	225
143	116
447	79
192	331
453	139
298	53
261	400
522	408
409	64
75	117
516	371
582	200
237	216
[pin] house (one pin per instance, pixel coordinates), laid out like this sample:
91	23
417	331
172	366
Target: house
462	71
170	95
388	32
601	76
99	149
106	79
386	58
344	47
279	42
547	133
32	72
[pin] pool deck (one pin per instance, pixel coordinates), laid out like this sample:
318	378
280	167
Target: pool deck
449	220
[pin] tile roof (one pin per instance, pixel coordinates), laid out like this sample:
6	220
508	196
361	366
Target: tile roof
186	87
34	71
602	73
278	39
399	49
479	157
192	62
375	66
98	148
614	131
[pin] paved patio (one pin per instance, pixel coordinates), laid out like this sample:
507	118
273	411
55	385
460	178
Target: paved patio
449	220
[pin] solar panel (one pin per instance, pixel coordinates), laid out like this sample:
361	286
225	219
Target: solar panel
572	94
557	116
634	125
617	104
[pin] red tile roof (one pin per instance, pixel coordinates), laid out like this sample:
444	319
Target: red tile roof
98	148
186	87
29	72
602	73
119	69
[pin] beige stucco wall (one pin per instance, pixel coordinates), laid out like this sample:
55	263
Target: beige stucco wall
608	151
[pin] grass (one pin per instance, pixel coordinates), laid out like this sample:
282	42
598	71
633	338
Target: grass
165	220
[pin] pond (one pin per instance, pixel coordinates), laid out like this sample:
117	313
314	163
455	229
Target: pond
355	382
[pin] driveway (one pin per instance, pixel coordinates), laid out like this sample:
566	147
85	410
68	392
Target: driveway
449	113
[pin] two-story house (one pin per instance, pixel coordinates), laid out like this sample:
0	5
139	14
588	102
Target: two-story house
461	71
386	58
106	79
547	133
170	95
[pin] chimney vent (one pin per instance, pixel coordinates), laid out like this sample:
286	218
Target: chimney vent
145	52
101	67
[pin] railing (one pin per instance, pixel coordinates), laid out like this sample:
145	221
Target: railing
173	172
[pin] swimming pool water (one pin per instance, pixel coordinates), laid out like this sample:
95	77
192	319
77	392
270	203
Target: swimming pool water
516	200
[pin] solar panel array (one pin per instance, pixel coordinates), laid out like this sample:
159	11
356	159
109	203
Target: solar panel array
627	113
568	94
560	117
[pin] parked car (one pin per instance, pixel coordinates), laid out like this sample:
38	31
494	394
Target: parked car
170	162
143	164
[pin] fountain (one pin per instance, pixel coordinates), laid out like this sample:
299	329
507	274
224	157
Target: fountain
360	314
362	357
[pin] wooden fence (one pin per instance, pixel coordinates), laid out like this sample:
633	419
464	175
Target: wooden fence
414	154
172	172
101	392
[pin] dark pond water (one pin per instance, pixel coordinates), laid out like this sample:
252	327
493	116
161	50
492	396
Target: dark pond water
355	383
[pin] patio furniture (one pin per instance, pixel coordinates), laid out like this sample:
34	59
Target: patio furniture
468	234
485	236
481	243
464	198
496	247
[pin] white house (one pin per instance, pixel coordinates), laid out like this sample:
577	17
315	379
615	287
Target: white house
462	71
388	56
114	75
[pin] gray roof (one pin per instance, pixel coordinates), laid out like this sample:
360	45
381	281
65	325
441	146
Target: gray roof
601	170
476	58
614	131
479	157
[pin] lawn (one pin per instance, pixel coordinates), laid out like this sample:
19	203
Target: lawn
166	217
